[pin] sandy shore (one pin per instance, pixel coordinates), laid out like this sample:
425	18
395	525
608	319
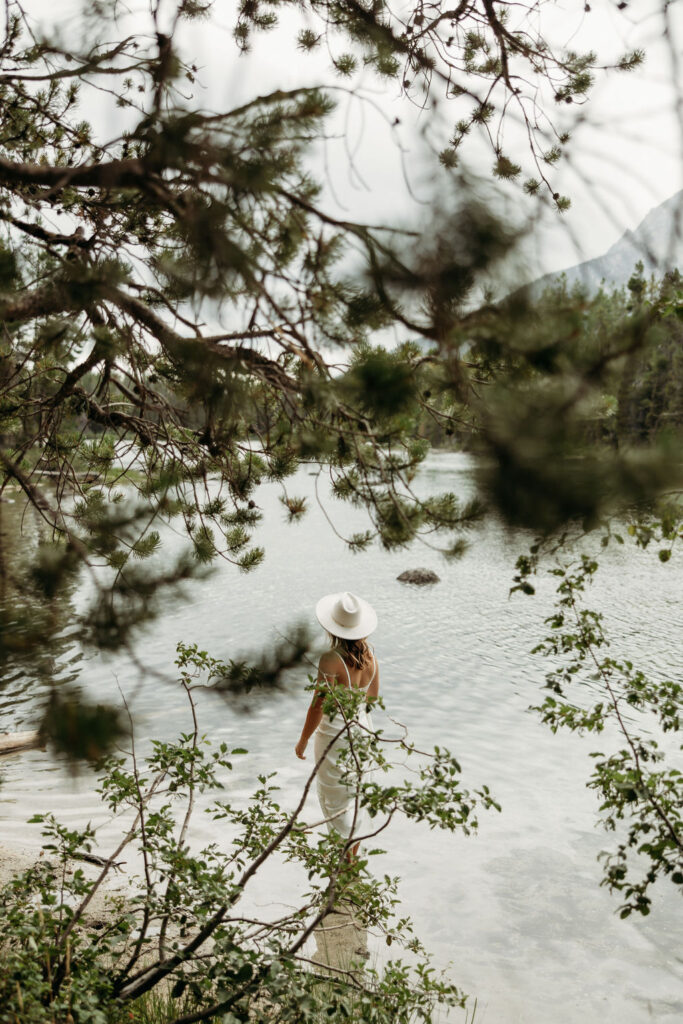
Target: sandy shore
341	942
15	858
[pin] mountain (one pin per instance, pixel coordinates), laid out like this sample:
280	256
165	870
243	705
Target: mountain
657	242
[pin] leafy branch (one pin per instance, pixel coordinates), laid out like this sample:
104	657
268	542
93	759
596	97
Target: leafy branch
634	784
182	926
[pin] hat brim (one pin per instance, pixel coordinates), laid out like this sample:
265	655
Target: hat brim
366	625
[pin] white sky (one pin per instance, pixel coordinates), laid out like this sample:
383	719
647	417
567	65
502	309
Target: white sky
626	157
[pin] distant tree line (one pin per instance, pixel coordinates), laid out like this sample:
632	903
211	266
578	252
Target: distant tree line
641	396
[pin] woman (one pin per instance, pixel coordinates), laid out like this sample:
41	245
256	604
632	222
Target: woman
351	663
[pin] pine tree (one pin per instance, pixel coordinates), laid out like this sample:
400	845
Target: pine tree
116	253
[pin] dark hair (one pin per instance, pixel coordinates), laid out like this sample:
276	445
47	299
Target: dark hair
355	653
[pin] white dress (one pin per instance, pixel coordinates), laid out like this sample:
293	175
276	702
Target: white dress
338	798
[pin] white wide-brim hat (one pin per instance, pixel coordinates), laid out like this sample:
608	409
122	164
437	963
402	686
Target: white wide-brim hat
346	616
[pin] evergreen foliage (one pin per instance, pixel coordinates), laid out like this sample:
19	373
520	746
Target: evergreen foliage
121	410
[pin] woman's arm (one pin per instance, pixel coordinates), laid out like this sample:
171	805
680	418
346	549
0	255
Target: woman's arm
315	711
373	688
313	717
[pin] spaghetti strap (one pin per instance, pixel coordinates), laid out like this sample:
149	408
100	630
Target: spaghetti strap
348	674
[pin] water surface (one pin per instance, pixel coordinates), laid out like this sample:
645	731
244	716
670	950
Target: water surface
517	910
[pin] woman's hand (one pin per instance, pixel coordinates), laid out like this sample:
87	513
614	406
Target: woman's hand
300	748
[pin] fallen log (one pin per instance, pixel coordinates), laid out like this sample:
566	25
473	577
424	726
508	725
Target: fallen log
13	741
93	858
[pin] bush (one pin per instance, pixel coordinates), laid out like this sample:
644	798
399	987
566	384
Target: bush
177	947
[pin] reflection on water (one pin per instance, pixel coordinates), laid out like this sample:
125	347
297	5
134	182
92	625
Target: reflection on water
517	911
37	645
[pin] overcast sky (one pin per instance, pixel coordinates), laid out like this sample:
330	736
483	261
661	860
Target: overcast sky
625	159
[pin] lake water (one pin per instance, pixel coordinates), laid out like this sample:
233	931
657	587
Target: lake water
516	911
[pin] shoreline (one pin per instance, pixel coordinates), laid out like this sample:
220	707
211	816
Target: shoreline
15	859
341	942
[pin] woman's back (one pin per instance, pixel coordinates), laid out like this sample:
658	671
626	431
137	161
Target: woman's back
333	666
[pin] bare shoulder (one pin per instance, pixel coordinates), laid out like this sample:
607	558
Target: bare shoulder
330	663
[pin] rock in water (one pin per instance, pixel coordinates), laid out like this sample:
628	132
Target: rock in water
419	576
